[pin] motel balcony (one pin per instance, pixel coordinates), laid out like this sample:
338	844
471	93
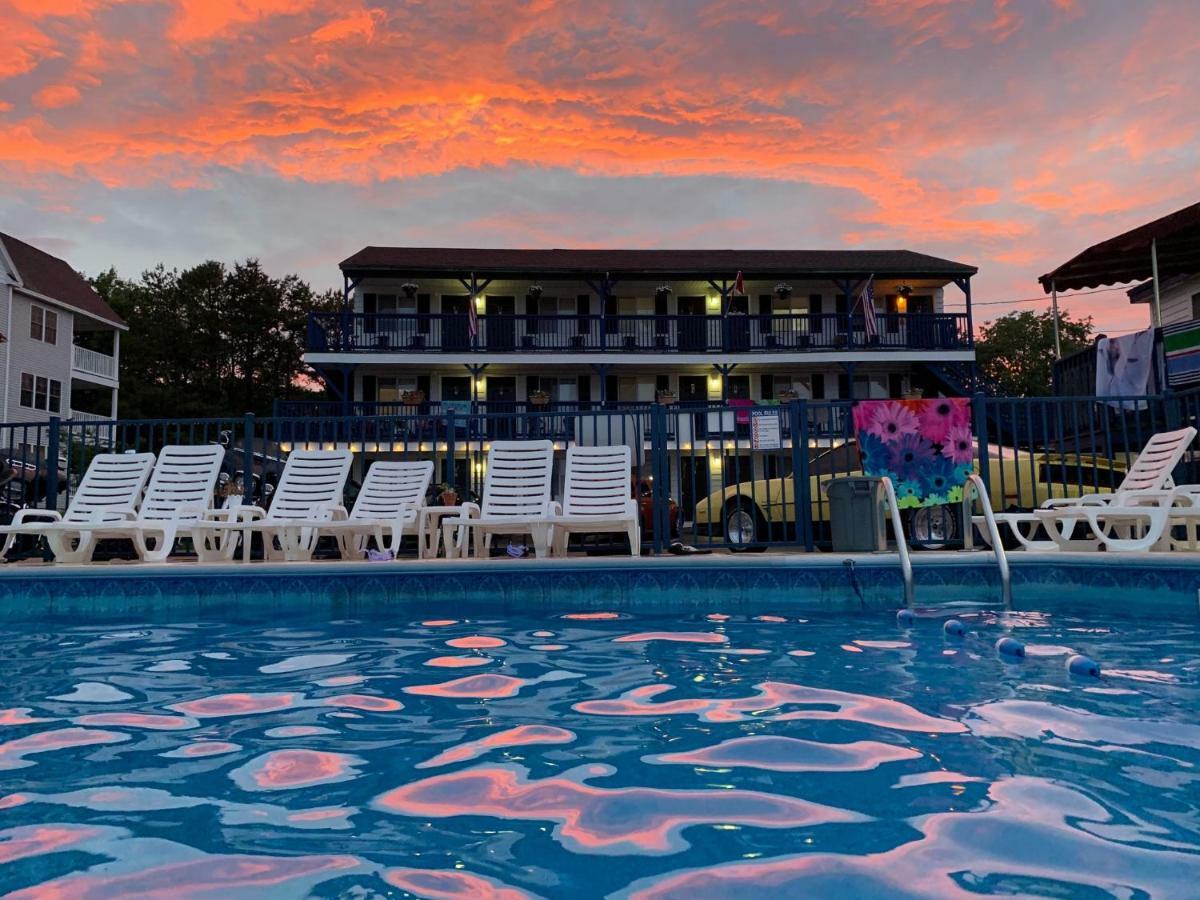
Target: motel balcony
386	333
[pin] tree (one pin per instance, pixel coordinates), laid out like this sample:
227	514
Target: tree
211	340
1017	350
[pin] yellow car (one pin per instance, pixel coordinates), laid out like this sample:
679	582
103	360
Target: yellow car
751	512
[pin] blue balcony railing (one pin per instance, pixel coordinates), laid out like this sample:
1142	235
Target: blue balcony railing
812	332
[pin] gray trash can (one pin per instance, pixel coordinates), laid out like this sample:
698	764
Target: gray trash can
856	514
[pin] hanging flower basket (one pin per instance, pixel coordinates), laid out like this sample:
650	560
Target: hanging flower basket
539	398
662	292
410	289
534	292
412	398
783	291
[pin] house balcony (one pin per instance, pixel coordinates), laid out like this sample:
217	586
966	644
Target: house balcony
93	365
640	334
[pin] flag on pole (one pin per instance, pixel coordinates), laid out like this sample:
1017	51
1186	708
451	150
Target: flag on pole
739	286
867	301
472	314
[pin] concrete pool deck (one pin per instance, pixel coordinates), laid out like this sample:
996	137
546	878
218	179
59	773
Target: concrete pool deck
1157	584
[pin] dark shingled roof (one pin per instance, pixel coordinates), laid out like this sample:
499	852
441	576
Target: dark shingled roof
1126	257
652	263
54	278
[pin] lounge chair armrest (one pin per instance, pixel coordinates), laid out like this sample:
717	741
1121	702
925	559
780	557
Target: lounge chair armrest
107	516
553	508
45	515
1081	500
631	508
469	511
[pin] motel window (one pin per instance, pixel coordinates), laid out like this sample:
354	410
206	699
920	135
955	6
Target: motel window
561	390
554	306
43	324
38	392
389	390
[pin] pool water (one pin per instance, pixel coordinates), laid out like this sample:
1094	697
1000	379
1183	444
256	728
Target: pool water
592	754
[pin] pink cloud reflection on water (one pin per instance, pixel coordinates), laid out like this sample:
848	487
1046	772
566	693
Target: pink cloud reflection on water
476	642
38	840
202	748
485	687
521	735
13	753
222	705
138	720
772	695
683	637
281	770
448	884
202	876
458	662
784	754
589	819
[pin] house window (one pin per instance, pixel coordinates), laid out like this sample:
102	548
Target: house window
43	324
38	392
554	306
1196	306
561	390
390	390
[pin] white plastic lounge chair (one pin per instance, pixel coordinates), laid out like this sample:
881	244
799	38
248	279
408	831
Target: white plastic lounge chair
180	493
516	499
109	492
309	494
391	498
1148	479
596	497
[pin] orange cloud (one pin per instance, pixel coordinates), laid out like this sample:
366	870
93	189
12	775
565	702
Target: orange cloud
56	96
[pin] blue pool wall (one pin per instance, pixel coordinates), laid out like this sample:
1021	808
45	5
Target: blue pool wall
1165	587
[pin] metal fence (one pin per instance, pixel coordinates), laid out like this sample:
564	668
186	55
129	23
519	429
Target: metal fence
742	476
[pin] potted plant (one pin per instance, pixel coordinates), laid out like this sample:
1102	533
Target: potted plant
412	398
665	397
914	394
539	398
410	289
534	292
447	495
787	395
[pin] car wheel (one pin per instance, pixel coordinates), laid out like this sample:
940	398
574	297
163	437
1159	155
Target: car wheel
744	526
935	527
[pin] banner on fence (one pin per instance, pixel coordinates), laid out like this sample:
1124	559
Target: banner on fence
1181	349
1123	367
924	446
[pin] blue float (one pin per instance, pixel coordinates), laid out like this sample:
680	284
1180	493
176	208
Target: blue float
954	628
1007	646
906	617
1083	665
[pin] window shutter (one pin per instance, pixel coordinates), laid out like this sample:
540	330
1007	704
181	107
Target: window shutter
585	388
818	386
370	388
768	386
423	382
583	306
423	313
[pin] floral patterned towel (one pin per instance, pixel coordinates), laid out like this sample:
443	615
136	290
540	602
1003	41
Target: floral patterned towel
924	446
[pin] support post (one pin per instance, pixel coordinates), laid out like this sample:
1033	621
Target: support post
801	501
850	368
979	414
601	370
52	463
1054	312
602	288
248	458
1156	319
964	285
660	472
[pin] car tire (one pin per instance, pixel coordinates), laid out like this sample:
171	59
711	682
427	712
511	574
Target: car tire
743	523
935	527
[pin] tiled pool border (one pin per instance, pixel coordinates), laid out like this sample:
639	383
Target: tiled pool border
1144	584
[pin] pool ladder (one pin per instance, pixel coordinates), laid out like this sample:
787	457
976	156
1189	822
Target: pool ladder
972	490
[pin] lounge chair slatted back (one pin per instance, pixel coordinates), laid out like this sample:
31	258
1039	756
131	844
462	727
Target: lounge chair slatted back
181	487
597	481
111	487
392	487
517	482
1158	459
311	481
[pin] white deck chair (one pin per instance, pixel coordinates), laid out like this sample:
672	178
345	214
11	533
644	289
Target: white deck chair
180	493
109	492
596	497
1148	480
391	498
516	499
308	495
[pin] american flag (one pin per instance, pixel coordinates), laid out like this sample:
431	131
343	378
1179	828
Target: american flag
472	317
867	300
739	285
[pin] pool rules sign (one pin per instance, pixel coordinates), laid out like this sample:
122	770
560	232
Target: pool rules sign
766	432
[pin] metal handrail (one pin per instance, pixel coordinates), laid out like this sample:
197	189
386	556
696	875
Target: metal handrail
980	493
906	568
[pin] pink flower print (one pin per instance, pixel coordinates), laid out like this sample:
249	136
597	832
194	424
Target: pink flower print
863	413
937	417
891	421
959	445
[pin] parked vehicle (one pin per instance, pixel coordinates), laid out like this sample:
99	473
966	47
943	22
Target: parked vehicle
752	512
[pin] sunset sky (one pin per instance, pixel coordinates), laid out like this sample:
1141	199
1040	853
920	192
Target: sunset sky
1008	134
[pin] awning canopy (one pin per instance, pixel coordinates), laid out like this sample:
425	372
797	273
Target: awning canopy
1126	257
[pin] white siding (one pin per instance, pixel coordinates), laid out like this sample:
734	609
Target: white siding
1177	303
37	358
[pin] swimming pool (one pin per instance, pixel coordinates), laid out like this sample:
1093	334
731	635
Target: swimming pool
452	751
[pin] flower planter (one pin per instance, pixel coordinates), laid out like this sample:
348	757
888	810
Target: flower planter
412	398
665	398
539	398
